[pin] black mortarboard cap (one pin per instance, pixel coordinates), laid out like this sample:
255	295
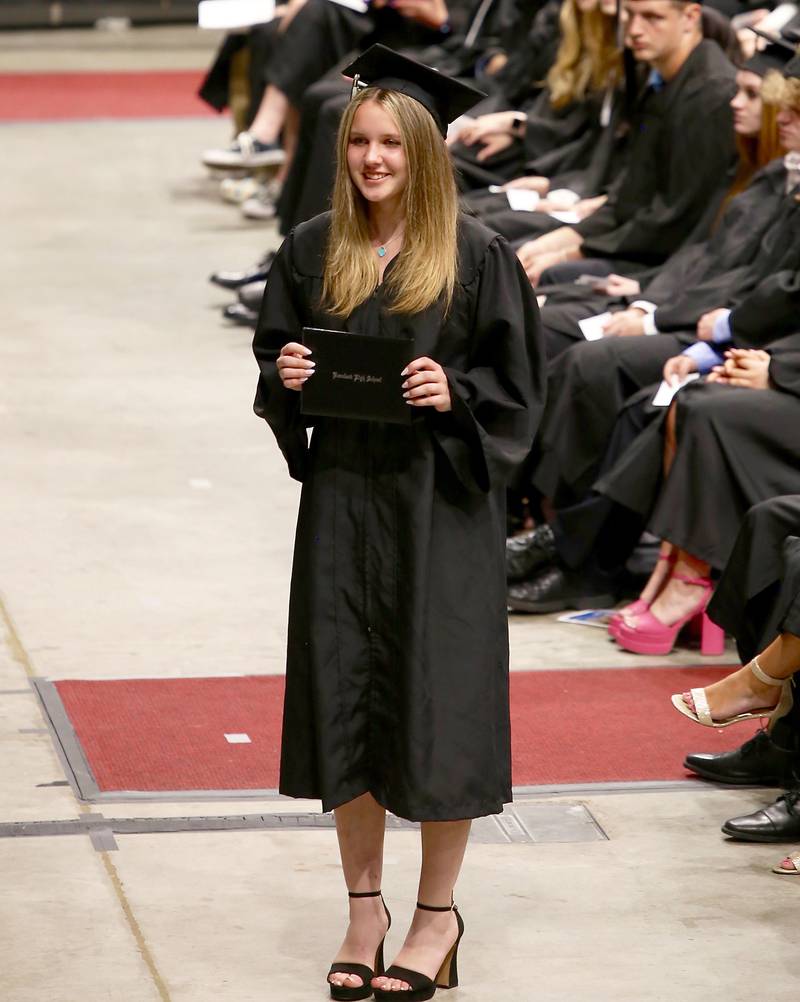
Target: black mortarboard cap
775	55
444	97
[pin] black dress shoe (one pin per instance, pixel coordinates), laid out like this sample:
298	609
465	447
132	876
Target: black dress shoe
759	762
529	552
250	295
780	822
553	590
241	315
235	279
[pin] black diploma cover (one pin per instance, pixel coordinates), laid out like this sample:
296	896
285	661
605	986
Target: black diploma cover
356	376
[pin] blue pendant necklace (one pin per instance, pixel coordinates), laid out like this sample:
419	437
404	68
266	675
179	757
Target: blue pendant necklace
381	251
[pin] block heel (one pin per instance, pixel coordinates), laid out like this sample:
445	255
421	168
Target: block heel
422	987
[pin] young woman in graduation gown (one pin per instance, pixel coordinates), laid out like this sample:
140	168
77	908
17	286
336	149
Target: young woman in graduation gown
397	671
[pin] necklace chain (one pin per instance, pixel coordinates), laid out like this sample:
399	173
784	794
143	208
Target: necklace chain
381	248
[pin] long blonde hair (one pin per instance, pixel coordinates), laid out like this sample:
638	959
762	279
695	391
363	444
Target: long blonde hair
781	90
588	58
426	266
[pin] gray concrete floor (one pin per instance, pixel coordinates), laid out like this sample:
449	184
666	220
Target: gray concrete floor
146	530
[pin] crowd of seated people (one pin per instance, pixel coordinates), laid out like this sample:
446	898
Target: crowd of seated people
644	162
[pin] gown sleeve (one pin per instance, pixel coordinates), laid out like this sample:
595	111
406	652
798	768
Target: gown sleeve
279	322
771	310
694	187
497	402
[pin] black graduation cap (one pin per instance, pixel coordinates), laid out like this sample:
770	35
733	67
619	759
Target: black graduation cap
774	56
444	97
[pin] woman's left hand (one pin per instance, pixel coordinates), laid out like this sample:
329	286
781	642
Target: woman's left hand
426	385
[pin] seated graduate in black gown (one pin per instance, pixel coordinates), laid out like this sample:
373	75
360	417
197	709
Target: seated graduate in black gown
397	681
701	275
557	130
757	600
315	36
662	198
589	383
577	559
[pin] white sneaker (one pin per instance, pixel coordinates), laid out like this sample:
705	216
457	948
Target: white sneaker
246	151
262	204
237	189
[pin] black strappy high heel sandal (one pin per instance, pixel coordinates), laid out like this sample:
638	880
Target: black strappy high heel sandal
422	987
364	990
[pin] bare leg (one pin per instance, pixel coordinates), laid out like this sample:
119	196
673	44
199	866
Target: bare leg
742	692
270	116
656	581
678	597
360	827
432	934
670	439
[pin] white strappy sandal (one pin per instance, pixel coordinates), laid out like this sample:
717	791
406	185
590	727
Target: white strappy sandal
794	859
702	714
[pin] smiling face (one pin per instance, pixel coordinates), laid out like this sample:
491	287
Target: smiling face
746	104
376	160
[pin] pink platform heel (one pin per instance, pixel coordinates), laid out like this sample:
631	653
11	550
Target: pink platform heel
649	635
639	606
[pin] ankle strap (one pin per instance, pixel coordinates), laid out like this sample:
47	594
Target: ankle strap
762	676
364	894
435	908
701	582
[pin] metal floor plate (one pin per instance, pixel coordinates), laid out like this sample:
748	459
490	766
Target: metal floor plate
522	823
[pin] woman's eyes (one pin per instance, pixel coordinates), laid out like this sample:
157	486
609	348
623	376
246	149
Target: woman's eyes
362	141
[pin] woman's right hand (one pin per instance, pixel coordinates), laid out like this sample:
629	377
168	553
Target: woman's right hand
294	365
677	368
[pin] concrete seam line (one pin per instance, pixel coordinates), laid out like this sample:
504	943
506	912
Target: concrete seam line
18	652
20	655
135	928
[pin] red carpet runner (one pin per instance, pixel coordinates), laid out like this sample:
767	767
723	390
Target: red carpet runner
592	726
51	97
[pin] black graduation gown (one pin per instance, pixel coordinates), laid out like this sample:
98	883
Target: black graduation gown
758	595
736	447
752	237
397	668
589	383
680	163
321	34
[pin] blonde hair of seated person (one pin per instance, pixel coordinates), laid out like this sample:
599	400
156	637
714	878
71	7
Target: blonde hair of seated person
587	59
